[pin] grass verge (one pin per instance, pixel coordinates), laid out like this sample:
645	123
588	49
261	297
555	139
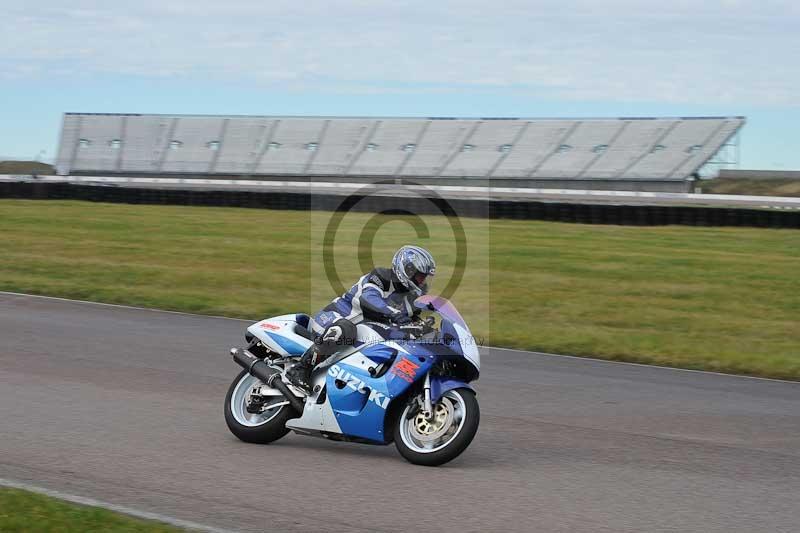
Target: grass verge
25	167
752	186
722	299
22	511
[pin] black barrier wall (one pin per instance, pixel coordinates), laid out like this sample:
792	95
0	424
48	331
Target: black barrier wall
633	215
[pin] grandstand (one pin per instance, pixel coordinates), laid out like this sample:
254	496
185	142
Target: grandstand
652	154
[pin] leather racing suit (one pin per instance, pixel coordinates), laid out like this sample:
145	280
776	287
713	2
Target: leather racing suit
376	297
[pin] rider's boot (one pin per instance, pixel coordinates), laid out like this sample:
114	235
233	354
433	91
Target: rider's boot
300	374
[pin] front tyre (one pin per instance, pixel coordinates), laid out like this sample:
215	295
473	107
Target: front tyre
259	428
442	438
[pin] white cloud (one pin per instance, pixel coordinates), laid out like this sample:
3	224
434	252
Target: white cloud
619	50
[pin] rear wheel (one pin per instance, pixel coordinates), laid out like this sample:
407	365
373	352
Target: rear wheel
442	437
267	425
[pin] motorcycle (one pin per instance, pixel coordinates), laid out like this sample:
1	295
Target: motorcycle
404	384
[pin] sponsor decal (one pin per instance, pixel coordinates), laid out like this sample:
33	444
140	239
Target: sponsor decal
405	369
354	383
273	327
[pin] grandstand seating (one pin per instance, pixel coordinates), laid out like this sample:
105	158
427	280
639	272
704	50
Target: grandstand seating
667	149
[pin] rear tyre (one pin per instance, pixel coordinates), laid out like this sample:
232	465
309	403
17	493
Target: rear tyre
261	428
443	437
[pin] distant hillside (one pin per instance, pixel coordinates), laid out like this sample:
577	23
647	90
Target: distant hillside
25	167
752	187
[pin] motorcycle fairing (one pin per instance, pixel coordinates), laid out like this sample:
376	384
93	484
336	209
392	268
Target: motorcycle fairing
316	418
360	401
278	334
440	385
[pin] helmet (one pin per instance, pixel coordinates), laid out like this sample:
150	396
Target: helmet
412	265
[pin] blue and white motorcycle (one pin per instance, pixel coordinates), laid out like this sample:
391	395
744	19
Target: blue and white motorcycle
408	385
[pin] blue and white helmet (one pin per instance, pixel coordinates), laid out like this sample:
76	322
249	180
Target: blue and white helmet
412	265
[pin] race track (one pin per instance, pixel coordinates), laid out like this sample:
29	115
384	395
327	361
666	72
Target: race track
125	406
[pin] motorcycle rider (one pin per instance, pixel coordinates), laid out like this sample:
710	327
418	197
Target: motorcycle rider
382	295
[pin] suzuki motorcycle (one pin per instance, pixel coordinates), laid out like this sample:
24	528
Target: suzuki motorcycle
403	384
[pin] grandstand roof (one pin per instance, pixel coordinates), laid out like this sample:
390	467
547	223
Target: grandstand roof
637	148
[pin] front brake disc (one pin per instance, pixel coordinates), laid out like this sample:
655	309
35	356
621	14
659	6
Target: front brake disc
425	430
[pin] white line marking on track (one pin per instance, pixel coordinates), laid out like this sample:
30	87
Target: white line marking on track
643	365
135	308
9	483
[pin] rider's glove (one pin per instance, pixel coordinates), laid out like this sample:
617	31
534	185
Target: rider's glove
401	320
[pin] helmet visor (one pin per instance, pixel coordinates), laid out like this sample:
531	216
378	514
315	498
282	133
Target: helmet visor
420	278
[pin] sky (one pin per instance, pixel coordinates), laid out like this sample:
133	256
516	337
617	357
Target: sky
465	58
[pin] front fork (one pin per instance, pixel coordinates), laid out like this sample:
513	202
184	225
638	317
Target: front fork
436	387
427	404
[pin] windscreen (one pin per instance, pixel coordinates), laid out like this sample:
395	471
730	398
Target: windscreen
466	343
441	306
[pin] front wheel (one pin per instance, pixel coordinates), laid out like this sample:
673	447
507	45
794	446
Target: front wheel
267	425
441	438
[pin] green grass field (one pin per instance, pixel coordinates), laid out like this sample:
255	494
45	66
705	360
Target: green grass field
22	511
725	299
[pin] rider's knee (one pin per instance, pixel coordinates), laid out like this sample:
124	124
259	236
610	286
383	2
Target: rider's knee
337	336
348	333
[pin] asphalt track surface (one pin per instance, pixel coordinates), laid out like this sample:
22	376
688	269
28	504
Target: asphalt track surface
125	406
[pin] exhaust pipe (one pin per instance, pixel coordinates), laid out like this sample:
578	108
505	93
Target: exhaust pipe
272	377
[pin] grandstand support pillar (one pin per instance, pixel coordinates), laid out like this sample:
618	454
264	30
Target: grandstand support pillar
409	155
600	155
267	141
320	140
212	166
504	155
165	144
260	142
561	141
655	143
457	148
361	149
123	130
